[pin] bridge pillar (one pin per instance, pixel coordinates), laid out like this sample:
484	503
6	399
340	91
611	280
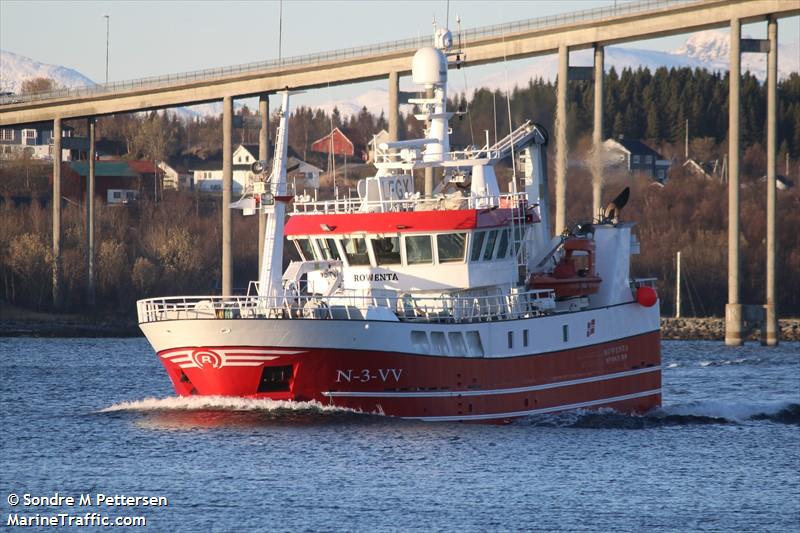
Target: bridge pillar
227	186
770	333
597	132
394	106
90	213
733	310
561	138
57	212
263	155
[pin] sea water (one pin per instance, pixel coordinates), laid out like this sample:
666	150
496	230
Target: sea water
97	419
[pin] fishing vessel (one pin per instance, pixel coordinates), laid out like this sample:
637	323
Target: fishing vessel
451	303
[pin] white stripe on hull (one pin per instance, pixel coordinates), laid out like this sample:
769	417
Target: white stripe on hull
554	409
239	357
491	392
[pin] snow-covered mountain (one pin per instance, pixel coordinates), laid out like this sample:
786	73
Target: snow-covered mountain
709	49
15	69
712	49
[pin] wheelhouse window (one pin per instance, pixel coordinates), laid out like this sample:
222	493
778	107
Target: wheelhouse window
356	251
304	249
519	232
490	241
502	247
418	249
477	244
451	247
328	249
386	250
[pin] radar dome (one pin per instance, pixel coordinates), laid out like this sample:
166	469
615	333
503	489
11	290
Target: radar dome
429	66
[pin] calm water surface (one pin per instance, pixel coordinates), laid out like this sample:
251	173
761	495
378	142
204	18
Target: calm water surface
99	416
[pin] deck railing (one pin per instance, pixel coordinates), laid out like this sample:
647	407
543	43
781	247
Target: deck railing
439	309
412	203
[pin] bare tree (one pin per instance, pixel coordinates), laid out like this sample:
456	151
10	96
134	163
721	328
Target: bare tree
38	85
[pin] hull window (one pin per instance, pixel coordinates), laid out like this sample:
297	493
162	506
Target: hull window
275	379
439	343
419	339
474	344
457	343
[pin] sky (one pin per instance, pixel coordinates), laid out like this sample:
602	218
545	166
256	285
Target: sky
149	37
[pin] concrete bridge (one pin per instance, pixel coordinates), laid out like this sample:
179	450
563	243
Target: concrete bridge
594	28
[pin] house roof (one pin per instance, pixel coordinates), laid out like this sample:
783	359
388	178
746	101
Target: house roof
636	147
380	136
144	167
115	168
706	168
253	149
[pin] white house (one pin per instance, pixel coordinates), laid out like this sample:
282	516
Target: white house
636	157
377	139
173	179
37	141
302	175
208	176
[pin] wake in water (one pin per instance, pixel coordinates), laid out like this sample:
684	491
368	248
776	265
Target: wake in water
213	411
691	414
221	403
194	412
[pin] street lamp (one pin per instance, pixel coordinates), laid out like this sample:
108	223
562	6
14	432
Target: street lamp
107	26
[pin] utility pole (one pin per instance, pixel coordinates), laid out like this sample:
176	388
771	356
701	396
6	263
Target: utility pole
678	287
108	19
686	142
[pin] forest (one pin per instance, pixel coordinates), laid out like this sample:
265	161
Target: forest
173	247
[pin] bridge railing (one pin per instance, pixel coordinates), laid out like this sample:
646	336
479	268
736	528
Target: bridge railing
464	39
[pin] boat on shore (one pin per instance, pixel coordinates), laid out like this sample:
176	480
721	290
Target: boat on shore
450	304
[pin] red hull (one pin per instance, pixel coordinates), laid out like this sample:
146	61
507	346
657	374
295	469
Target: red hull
623	374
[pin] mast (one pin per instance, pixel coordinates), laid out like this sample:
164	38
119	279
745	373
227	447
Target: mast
273	204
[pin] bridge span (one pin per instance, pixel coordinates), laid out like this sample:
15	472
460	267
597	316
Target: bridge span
594	28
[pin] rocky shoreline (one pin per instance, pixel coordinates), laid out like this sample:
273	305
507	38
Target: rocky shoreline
57	328
713	328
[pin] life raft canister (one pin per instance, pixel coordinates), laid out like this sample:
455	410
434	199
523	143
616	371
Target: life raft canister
646	296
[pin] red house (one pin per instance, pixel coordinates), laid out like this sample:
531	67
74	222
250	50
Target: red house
116	181
335	142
